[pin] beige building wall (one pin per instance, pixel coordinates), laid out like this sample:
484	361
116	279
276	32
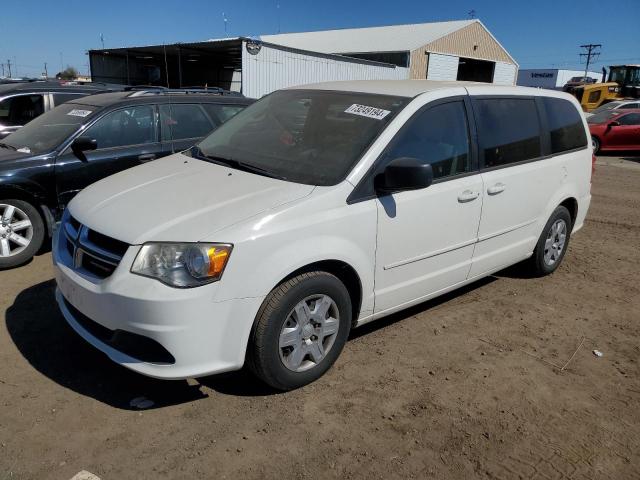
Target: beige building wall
460	43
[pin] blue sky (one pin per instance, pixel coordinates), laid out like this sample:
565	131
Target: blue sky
543	33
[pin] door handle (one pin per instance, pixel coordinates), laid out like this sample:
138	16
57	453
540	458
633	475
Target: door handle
467	196
496	189
146	157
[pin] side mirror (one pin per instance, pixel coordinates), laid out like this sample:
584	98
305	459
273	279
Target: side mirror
613	124
403	174
81	145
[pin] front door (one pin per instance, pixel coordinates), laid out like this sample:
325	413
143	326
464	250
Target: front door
126	137
426	237
626	135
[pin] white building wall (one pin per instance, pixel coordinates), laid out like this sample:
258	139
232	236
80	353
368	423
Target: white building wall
273	68
504	73
552	78
442	67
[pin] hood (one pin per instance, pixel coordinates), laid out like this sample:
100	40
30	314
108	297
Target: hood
178	199
9	155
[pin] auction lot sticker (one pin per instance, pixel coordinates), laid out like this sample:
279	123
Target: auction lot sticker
79	113
366	111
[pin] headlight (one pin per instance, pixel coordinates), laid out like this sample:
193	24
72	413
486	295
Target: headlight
182	265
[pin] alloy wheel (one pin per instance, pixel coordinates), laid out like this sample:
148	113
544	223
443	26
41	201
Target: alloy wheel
16	230
309	332
555	242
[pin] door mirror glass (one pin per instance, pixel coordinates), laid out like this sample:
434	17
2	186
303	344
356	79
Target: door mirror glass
403	174
81	145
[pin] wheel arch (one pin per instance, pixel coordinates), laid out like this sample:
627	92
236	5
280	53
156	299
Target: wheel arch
32	196
571	204
344	272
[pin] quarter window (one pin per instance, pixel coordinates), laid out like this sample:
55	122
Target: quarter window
508	129
565	125
438	136
129	126
182	121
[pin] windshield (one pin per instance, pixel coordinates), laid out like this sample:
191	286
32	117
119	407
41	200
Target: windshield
313	137
49	130
606	107
602	117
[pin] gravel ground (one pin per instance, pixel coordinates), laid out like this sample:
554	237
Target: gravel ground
466	386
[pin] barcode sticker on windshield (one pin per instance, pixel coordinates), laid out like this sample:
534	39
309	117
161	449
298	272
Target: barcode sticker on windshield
79	113
366	111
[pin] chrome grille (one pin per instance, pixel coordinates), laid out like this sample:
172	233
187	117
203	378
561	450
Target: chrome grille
91	251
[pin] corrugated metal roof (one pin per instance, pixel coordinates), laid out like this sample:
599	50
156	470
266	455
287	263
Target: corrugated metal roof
392	38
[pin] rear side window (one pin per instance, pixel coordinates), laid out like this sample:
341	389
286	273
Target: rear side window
508	130
438	136
565	125
180	121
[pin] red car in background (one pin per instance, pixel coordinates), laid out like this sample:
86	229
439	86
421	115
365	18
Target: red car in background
615	130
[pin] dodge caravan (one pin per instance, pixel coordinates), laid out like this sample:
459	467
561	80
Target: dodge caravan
315	210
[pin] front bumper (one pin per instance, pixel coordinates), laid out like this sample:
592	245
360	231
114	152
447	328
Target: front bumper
201	335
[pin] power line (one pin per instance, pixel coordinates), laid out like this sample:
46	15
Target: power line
592	51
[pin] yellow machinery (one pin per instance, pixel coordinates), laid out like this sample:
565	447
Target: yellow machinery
623	82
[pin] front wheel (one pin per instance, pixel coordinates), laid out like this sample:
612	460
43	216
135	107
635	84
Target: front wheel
553	243
21	232
300	330
595	143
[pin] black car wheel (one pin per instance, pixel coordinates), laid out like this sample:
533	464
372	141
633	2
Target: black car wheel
300	330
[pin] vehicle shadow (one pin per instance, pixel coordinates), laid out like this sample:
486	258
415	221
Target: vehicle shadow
46	341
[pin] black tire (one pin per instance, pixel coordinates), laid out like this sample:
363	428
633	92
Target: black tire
264	352
37	237
595	143
537	263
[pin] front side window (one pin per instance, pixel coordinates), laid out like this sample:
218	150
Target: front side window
128	126
602	117
438	136
180	121
565	125
21	109
630	119
313	137
508	130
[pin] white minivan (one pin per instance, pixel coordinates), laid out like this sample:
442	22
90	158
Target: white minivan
315	210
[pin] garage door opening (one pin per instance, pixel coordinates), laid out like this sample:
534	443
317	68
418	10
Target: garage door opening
474	70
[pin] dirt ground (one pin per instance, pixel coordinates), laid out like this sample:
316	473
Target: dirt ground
461	387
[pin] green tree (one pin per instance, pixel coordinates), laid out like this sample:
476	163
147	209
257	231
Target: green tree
69	73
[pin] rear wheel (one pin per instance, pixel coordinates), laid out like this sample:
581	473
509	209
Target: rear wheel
595	143
553	243
21	232
300	330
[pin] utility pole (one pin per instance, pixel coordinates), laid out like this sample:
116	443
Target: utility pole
591	52
2	65
9	67
46	73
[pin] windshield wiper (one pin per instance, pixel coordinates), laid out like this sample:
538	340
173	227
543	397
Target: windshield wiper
230	162
6	145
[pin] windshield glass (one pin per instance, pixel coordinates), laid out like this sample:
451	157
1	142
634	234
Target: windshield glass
49	130
602	117
606	107
313	137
